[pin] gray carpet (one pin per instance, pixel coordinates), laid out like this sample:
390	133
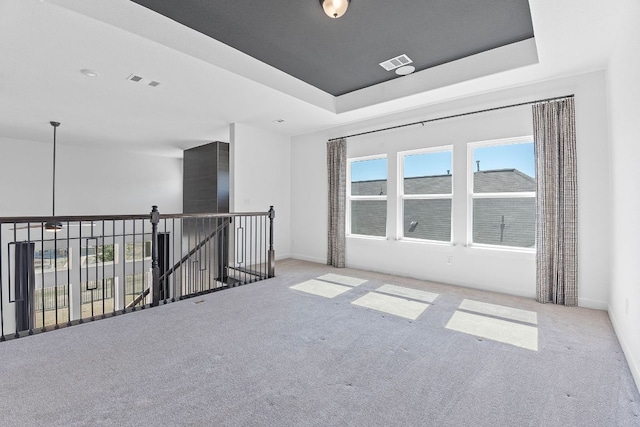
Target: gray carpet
266	355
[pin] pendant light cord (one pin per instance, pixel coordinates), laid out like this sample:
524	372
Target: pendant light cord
53	200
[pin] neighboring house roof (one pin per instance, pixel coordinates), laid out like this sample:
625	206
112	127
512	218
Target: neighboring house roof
497	221
488	181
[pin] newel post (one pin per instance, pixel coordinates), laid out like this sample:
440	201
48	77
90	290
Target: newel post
155	268
272	253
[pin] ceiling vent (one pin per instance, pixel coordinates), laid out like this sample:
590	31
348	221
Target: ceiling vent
398	61
139	79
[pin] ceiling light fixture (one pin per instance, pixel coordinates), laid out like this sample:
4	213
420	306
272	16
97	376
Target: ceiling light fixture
335	8
53	226
89	73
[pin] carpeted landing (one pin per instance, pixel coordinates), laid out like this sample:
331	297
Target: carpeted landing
318	346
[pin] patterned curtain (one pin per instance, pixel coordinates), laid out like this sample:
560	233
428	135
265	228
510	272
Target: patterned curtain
557	204
337	174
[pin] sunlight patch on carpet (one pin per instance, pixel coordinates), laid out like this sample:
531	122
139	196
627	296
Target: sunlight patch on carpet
503	331
500	311
391	305
323	289
408	293
343	280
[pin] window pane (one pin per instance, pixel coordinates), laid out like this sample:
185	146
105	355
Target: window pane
137	251
369	177
504	168
94	255
369	217
50	259
427	173
428	219
506	222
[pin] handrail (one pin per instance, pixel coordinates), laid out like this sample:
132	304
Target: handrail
116	259
78	218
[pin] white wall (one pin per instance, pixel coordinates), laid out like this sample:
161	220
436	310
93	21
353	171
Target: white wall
260	163
89	181
503	271
624	118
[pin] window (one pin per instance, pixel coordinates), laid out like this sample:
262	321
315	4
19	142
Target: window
502	193
98	254
367	196
51	259
426	194
137	251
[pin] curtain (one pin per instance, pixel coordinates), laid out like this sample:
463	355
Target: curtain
556	205
337	176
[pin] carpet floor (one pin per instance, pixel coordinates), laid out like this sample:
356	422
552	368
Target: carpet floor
318	346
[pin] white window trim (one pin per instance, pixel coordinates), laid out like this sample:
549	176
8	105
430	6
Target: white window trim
350	197
470	194
402	197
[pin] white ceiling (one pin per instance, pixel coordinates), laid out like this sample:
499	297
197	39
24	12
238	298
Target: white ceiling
205	85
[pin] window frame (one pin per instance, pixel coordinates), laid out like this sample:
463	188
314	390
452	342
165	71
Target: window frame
402	197
471	195
351	197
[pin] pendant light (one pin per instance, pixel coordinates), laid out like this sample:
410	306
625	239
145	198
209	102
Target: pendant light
53	227
335	8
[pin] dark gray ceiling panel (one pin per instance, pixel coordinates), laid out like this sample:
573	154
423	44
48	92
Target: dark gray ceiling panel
342	55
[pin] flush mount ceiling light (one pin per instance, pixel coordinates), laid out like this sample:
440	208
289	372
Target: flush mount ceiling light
89	73
335	8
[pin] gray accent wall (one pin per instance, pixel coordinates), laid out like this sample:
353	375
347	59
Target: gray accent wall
206	179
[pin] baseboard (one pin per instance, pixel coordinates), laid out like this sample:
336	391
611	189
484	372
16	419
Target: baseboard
309	258
282	256
634	367
592	303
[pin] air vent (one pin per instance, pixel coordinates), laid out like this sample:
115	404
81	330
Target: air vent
139	79
398	61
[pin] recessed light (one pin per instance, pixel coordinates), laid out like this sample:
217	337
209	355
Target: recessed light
89	73
404	70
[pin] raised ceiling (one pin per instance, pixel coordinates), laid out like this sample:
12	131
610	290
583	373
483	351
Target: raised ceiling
342	55
205	85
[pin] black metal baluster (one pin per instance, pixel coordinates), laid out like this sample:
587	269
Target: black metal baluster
81	319
67	287
95	287
173	251
55	279
133	257
104	285
211	232
2	337
183	273
44	329
113	267
261	250
244	251
272	253
124	266
144	273
155	268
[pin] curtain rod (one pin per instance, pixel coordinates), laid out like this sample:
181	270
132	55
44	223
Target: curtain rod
422	122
